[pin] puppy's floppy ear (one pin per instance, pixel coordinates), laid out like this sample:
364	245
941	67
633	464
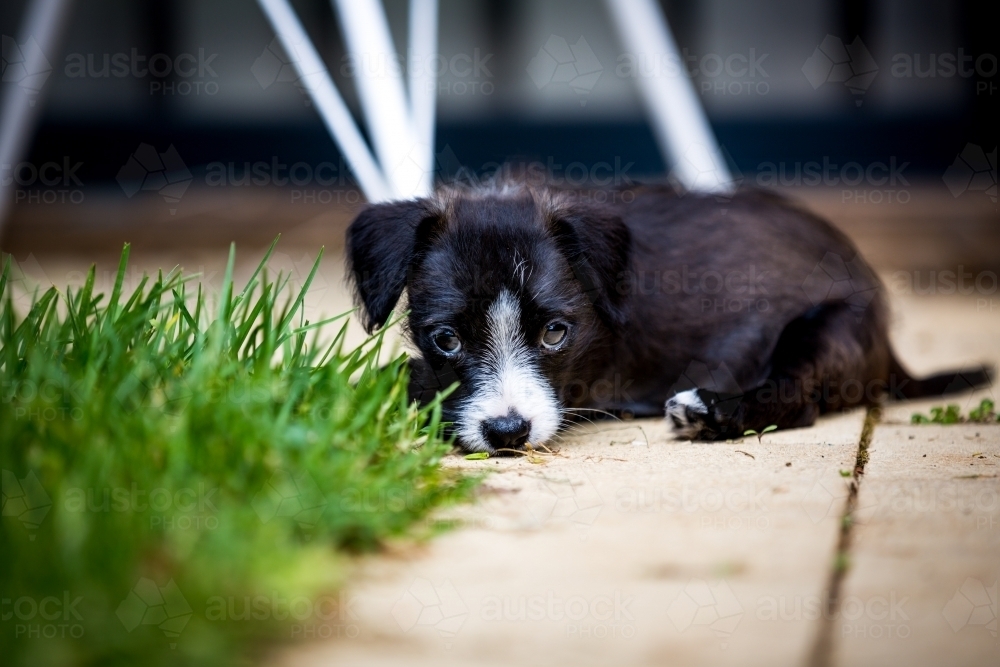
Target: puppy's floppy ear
381	246
598	245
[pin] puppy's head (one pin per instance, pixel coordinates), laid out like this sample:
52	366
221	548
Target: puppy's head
510	293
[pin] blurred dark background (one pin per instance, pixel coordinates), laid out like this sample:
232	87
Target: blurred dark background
930	93
489	109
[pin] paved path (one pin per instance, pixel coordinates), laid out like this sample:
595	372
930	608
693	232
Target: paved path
630	548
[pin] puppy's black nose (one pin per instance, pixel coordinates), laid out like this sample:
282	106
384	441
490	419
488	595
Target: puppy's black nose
510	432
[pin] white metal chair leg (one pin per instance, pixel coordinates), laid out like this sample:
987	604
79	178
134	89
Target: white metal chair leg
423	37
401	127
403	134
682	130
383	99
327	100
40	32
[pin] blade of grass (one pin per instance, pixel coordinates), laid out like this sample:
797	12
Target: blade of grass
116	291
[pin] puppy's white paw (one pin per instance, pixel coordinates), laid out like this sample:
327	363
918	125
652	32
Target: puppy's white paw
687	413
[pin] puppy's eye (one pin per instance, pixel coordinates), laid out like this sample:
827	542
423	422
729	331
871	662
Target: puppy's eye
447	341
554	335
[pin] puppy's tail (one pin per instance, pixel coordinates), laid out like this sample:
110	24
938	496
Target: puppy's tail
941	384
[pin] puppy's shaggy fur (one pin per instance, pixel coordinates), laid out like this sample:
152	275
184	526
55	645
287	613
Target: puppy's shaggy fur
541	305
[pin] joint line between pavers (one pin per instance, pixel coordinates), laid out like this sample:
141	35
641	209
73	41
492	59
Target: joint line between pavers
821	654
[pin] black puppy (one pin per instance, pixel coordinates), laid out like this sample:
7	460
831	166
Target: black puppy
543	305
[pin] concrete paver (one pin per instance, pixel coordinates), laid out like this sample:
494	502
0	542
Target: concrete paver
922	589
630	553
927	535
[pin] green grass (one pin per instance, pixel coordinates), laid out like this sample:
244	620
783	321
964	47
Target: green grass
169	459
766	429
952	414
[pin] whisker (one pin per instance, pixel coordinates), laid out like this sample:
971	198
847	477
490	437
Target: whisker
595	410
564	421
